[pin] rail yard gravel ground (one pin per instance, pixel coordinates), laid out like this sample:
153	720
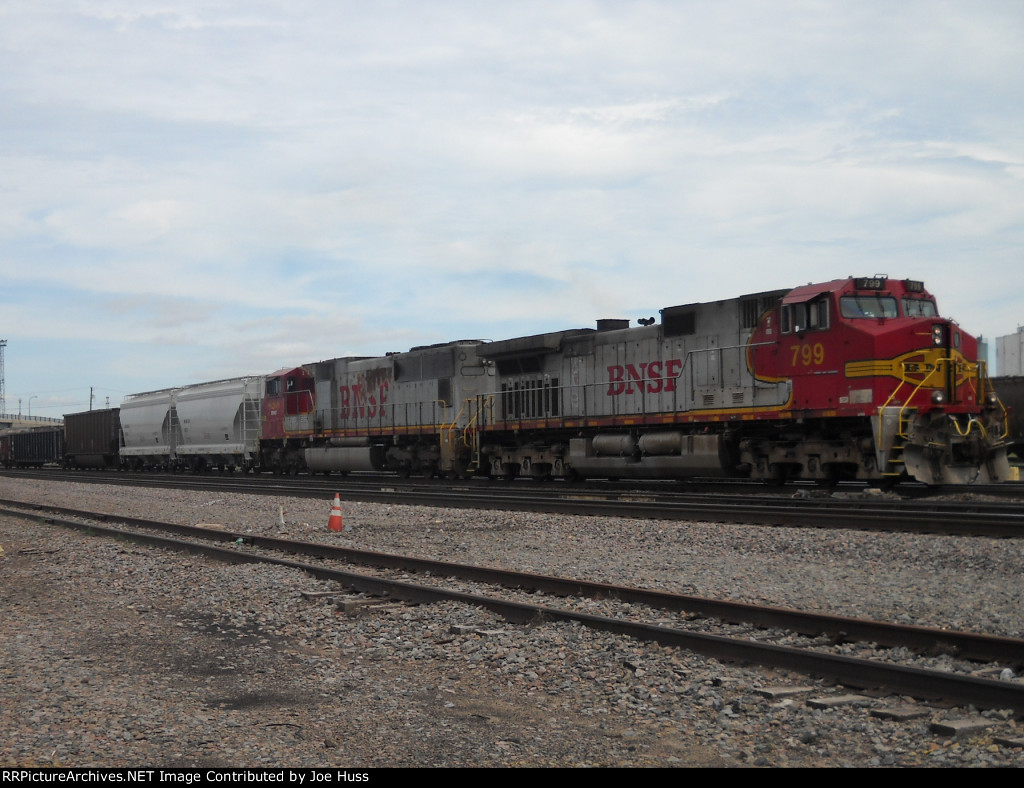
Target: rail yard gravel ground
113	654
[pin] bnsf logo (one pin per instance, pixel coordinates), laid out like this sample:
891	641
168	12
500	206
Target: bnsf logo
356	402
652	378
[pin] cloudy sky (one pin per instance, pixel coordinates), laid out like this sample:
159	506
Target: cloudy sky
196	190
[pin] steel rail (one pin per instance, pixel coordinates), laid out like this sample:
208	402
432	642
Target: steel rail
943	518
966	645
955	688
856	672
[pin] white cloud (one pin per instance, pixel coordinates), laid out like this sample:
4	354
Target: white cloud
253	181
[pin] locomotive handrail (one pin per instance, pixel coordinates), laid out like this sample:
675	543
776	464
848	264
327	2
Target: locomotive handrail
905	405
489	398
940	364
983	377
452	427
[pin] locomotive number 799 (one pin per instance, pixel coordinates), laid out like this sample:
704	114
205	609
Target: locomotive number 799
808	354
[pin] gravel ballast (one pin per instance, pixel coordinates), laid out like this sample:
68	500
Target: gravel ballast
113	654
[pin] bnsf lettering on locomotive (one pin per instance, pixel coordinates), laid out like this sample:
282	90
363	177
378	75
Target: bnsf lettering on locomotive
652	378
354	402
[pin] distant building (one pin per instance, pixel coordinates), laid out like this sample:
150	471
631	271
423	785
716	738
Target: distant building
1010	354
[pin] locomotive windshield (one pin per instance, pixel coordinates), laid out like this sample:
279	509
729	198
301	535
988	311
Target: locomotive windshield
868	306
919	307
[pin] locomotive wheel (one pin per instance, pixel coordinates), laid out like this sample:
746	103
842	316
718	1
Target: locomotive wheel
831	478
778	475
573	476
459	470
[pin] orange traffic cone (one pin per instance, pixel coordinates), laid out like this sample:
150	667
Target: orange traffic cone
335	523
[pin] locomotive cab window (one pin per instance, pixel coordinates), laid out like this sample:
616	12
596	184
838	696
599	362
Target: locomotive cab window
817	314
274	387
803	317
867	306
919	307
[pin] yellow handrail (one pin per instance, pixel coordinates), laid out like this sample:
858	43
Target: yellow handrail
982	375
451	428
910	399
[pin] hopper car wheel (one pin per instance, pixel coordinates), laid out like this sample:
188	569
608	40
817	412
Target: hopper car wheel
428	471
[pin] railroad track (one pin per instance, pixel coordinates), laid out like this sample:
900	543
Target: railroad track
804	507
820	653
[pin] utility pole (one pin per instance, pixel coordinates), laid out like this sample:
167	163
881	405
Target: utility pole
90	397
3	396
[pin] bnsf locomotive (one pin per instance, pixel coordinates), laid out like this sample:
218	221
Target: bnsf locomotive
849	379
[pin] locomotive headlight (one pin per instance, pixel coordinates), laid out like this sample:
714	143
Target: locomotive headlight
991	400
938	334
938	398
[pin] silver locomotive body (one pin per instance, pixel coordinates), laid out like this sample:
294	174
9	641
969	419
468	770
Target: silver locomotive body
621	401
406	412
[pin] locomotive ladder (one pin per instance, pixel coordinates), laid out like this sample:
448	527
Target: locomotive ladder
468	436
471	432
895	465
